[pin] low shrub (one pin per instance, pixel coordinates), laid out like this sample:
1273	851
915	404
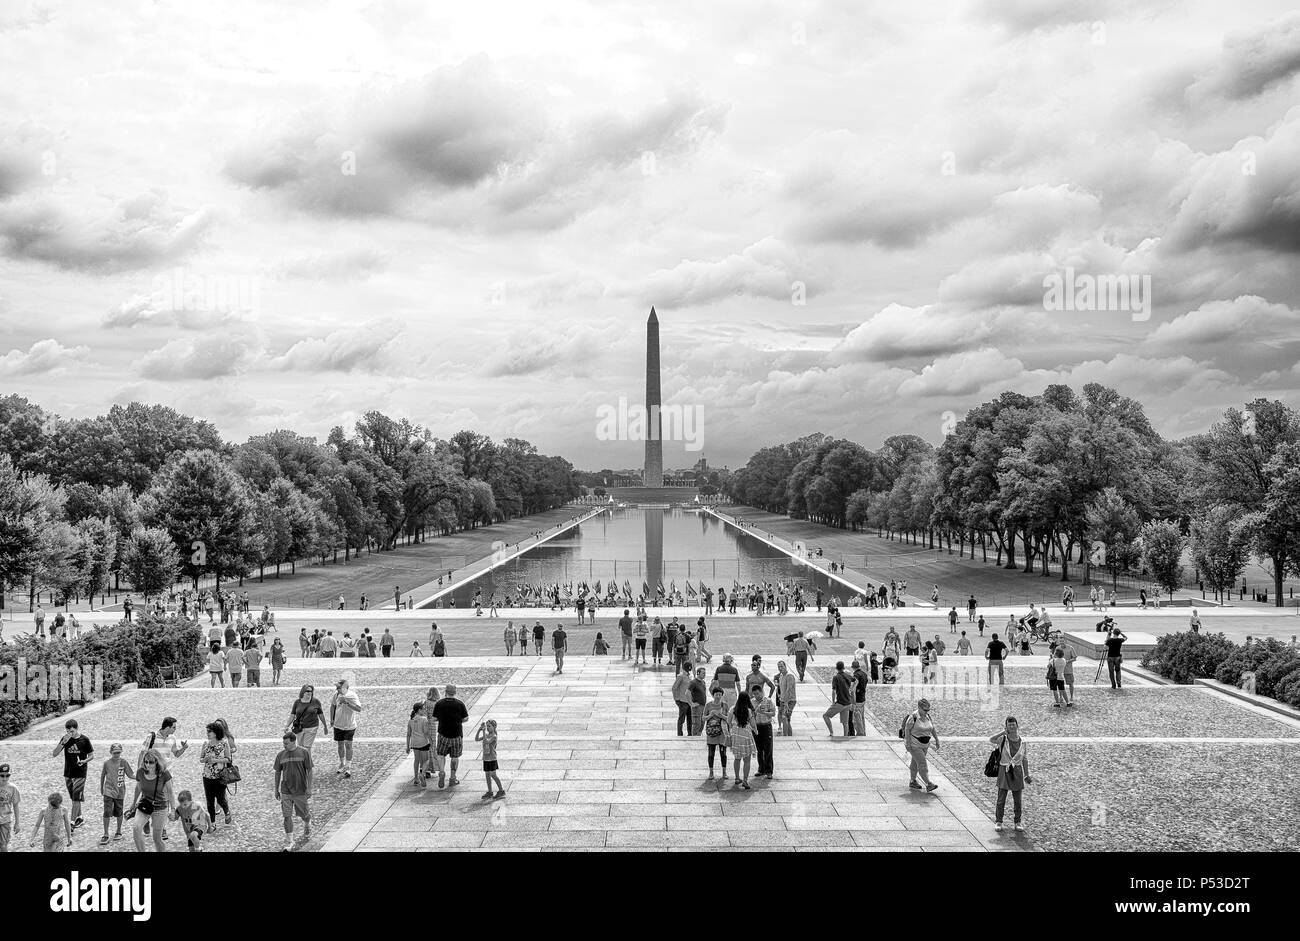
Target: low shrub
1185	656
1247	658
1273	671
128	653
1288	689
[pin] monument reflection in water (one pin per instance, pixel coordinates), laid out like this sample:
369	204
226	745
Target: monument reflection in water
637	546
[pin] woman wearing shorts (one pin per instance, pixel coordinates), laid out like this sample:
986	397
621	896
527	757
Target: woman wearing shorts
715	730
307	716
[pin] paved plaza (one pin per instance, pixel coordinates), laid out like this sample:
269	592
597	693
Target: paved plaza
591	761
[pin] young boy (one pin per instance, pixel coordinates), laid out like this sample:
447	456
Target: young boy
194	820
112	785
487	734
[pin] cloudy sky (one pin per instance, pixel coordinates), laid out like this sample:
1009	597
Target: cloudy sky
275	214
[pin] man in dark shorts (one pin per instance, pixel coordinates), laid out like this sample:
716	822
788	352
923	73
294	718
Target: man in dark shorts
912	642
293	787
642	634
625	627
450	714
76	750
343	716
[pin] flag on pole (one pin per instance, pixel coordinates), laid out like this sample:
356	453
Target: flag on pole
598	586
690	590
645	589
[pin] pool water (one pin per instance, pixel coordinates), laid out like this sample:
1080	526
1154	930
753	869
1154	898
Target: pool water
646	546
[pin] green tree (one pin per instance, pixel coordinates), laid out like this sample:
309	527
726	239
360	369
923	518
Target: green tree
150	561
1162	551
1114	524
1220	548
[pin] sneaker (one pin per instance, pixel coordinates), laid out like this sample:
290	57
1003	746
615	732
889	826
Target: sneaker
744	786
338	770
288	846
442	779
103	841
1020	828
78	822
454	782
1068	705
500	794
348	773
998	826
913	785
230	820
166	835
931	787
306	832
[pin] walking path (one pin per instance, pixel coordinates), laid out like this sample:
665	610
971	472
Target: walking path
592	762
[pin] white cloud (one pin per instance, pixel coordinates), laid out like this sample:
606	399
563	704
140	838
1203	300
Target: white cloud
44	357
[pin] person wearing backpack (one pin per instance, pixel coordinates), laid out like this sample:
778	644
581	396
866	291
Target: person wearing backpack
918	733
715	729
1012	771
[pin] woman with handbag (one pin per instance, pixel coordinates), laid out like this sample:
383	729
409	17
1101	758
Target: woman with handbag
917	733
216	757
152	801
306	716
1012	770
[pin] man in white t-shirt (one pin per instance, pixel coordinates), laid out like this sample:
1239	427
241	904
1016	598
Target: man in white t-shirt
343	716
164	743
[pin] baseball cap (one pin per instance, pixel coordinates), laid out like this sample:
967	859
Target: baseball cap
4	769
115	748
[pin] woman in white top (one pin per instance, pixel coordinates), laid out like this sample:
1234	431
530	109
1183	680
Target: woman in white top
918	734
1013	770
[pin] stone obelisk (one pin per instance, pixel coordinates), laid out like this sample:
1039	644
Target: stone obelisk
654	451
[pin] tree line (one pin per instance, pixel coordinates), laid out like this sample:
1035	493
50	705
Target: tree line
1078	477
147	496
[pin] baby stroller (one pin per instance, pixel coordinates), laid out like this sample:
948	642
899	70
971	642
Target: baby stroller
889	670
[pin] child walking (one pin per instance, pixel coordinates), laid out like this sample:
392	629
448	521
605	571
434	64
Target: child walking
57	825
417	740
487	734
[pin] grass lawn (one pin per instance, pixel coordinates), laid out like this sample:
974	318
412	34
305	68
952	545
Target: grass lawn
1175	712
1149	797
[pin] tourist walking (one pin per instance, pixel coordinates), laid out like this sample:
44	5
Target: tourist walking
450	715
742	725
253	666
216	755
715	729
995	653
216	666
841	700
418	740
918	734
1195	622
801	649
510	636
785	696
912	641
522	635
151	803
625	629
437	643
682	697
234	663
77	750
599	646
306	716
277	661
195	822
860	680
487	734
386	643
560	641
1013	772
892	645
699	692
344	709
539	635
727	678
10	801
113	775
55	823
293	779
764	713
1115	657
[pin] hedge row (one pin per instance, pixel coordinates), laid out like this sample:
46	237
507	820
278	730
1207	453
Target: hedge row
1185	657
128	653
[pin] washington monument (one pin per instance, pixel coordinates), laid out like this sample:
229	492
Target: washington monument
654	449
